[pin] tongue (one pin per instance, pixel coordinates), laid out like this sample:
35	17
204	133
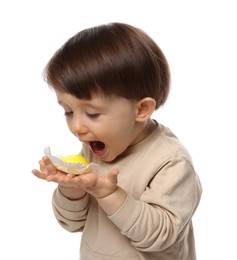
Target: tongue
98	148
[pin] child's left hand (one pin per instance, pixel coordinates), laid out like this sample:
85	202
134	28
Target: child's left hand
99	186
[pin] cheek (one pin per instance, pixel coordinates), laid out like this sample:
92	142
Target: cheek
125	125
121	131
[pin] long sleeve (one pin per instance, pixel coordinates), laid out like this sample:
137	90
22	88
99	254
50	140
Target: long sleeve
166	206
71	214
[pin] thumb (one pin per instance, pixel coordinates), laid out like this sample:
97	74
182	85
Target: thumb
112	176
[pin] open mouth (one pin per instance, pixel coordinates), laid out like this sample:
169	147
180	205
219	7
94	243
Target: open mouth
97	147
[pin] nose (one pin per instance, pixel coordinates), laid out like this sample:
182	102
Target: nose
79	127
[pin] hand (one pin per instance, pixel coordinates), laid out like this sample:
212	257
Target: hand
75	186
49	172
67	185
103	187
98	186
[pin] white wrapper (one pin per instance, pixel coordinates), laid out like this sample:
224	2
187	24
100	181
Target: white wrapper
69	167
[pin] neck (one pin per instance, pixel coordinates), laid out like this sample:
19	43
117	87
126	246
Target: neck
145	130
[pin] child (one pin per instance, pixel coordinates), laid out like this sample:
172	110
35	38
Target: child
109	80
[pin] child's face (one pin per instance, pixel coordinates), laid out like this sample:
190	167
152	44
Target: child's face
107	125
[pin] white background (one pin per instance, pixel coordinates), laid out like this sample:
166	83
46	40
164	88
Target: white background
199	41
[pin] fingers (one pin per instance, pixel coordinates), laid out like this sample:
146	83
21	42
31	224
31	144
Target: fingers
46	169
38	174
87	180
46	163
95	184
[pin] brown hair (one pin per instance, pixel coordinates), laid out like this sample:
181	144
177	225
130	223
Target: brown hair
113	59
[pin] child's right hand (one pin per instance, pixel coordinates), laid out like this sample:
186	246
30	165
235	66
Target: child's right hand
67	185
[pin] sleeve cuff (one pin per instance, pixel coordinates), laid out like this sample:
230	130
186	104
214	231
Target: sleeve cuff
71	205
121	218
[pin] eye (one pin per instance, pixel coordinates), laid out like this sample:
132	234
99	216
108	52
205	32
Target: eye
68	113
93	115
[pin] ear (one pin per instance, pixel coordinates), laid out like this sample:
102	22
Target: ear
145	108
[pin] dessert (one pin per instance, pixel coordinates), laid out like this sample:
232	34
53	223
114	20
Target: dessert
75	159
73	164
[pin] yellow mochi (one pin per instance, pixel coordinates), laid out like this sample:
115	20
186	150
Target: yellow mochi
75	159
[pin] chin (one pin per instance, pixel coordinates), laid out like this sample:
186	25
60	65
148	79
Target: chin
108	159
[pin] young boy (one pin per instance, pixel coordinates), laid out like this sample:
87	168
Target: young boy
109	80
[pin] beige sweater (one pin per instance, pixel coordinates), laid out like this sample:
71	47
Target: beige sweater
154	223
